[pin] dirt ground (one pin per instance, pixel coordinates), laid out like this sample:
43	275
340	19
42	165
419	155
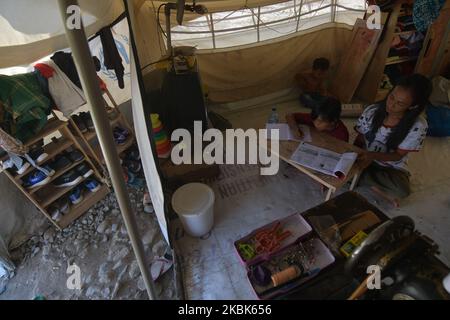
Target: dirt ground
99	245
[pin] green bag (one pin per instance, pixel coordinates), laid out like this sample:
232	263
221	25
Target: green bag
23	108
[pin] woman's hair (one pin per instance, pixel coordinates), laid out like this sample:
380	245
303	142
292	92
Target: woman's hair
329	110
420	88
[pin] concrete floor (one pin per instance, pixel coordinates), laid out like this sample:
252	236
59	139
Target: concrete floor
245	201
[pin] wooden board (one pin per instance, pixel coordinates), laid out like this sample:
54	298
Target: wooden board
368	87
355	61
434	57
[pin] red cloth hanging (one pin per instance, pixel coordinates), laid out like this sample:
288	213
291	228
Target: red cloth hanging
45	70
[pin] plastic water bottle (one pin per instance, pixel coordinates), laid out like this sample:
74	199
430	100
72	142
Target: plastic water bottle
273	116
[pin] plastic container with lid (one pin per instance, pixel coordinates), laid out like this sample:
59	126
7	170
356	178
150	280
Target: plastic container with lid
194	204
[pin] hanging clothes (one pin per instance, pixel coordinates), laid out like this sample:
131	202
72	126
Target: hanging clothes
44	72
23	106
64	61
425	12
66	95
112	59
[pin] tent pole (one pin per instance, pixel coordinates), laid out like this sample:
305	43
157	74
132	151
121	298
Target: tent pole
85	67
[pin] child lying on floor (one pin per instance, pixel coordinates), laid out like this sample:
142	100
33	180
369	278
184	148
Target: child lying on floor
390	130
312	83
325	118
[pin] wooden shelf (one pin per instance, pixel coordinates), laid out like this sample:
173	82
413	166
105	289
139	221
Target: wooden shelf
89	135
113	121
56	175
51	126
92	134
401	60
53	193
43	196
52	149
89	199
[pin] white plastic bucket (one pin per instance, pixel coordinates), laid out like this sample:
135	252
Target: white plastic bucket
194	204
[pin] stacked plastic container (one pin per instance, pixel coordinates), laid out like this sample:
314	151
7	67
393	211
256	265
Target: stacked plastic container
163	145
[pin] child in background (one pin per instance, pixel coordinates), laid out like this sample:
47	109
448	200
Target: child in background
312	84
325	117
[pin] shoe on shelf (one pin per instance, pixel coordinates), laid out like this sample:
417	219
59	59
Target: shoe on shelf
75	196
35	179
68	179
75	156
86	117
13	168
55	213
133	154
64	206
121	131
133	166
119	138
84	170
61	162
23	168
92	185
38	155
51	171
79	123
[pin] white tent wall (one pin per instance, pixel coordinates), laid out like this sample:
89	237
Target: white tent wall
242	73
145	33
31	30
149	40
239	73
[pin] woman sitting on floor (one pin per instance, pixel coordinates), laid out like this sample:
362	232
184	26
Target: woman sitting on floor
389	131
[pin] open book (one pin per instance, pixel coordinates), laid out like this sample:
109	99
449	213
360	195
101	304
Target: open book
323	160
285	132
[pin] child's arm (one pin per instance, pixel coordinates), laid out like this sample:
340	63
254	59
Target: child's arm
291	121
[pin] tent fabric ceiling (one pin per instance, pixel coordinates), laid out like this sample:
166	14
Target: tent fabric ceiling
30	30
